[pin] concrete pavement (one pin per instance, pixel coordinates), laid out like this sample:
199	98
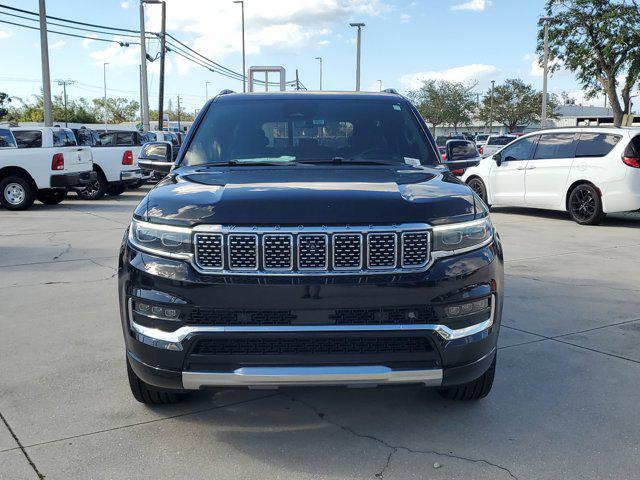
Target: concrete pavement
564	404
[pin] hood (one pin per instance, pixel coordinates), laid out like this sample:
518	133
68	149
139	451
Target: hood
307	195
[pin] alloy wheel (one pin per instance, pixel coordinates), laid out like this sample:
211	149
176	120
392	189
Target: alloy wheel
14	193
583	204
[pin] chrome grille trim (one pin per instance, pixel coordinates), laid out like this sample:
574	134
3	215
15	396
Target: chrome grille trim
325	238
265	237
329	233
196	242
254	254
336	236
373	236
403	249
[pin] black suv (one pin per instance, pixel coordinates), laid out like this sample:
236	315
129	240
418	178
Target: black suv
309	239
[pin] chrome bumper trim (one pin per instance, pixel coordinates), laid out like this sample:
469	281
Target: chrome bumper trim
173	340
131	175
298	376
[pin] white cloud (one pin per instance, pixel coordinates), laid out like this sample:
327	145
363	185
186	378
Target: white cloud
322	43
116	55
88	41
474	5
287	25
464	73
4	34
124	5
536	69
404	18
56	45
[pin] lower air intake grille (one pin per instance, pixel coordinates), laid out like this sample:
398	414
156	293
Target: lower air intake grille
312	346
212	316
384	316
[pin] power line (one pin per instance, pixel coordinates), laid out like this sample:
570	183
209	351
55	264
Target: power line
122	44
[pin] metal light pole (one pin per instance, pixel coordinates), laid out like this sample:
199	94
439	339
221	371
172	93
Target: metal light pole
64	84
144	92
358	44
493	85
104	77
244	67
163	36
44	53
206	91
543	117
320	58
379	85
179	129
629	117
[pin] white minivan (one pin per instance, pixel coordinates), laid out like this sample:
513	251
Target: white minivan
588	172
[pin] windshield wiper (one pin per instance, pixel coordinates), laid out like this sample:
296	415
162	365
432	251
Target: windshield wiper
348	160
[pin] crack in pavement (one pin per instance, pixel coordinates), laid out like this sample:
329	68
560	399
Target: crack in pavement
60	282
393	449
66	249
59	261
567	284
21	447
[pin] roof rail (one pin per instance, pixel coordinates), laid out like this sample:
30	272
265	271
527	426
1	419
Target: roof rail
390	90
226	91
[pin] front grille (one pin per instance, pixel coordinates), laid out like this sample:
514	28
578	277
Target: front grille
243	252
213	316
275	251
384	316
411	315
382	250
312	346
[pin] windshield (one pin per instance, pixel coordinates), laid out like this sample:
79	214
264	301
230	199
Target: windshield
6	139
294	130
500	140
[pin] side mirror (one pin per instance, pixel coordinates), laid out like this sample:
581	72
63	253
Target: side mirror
156	156
461	154
498	158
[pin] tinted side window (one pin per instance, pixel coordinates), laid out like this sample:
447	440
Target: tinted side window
125	139
520	150
69	138
596	144
556	145
58	138
6	139
500	140
28	138
633	149
106	139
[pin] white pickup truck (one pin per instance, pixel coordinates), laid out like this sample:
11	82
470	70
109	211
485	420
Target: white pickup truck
115	160
42	163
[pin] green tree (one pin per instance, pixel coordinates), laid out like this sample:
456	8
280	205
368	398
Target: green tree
430	100
598	40
118	109
459	104
515	103
5	100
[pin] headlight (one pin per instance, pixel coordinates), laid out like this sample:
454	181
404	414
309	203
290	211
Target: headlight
161	239
460	236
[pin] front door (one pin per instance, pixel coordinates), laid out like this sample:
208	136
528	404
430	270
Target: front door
506	181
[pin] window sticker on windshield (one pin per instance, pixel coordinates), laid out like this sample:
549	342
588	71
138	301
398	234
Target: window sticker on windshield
414	162
397	107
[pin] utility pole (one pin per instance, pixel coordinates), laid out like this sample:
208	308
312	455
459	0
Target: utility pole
379	85
104	77
44	53
163	37
206	91
144	92
493	85
140	88
358	45
297	81
244	67
64	84
179	129
543	117
320	58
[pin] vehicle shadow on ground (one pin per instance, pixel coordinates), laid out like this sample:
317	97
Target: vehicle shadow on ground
630	220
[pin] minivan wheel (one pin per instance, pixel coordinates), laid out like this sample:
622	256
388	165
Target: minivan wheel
94	190
475	390
585	205
16	193
479	188
147	394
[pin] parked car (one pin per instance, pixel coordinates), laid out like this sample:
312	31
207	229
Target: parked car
495	143
481	139
115	155
588	172
310	239
46	162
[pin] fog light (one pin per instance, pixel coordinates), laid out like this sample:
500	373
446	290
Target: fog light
156	311
170	313
468	308
142	307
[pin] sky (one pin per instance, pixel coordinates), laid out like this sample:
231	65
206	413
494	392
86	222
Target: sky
403	42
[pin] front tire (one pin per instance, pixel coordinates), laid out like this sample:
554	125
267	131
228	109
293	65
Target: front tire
115	190
479	188
51	197
474	390
585	205
149	395
16	193
95	190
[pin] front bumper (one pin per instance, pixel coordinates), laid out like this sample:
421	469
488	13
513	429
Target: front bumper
164	354
67	180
